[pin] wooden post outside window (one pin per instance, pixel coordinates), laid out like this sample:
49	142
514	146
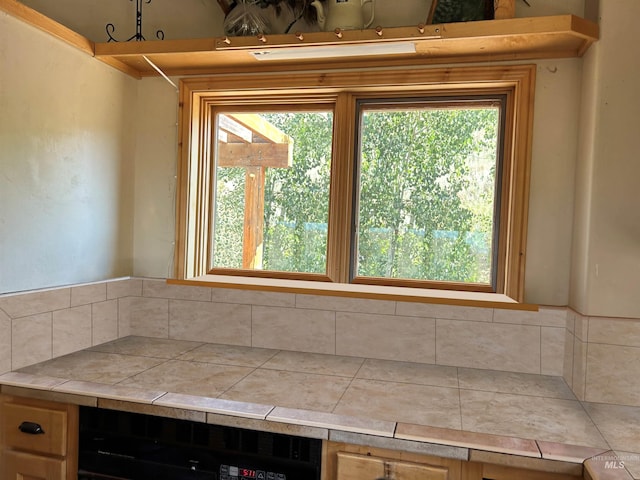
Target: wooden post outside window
250	142
504	9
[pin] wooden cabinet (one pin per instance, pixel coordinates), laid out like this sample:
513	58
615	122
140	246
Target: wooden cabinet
38	439
343	461
25	466
352	466
357	462
499	472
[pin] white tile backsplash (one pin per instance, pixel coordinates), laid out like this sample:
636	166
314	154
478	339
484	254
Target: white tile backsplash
5	343
612	375
149	317
104	322
210	322
513	348
252	297
87	294
549	317
160	289
31	340
312	331
26	304
449	312
596	355
71	330
386	337
552	350
614	331
345	304
129	287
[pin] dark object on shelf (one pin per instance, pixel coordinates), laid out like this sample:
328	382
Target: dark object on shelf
138	37
246	18
293	11
451	11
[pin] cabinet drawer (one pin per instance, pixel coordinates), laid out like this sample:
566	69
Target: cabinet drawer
22	466
53	440
363	467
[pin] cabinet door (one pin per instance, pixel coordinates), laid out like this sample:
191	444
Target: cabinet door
363	467
52	440
25	466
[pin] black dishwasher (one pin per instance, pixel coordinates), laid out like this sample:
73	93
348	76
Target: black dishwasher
133	446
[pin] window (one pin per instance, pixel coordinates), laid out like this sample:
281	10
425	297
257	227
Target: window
427	201
271	190
407	178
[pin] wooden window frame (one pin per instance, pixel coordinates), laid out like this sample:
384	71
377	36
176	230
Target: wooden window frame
199	96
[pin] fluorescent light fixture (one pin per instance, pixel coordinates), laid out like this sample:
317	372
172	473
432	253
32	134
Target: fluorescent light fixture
331	51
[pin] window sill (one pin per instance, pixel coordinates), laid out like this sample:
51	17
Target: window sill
400	294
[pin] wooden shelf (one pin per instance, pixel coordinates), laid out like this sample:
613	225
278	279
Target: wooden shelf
529	38
561	36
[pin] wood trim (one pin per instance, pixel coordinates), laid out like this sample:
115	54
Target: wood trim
341	190
559	36
200	94
123	67
272	274
44	23
409	283
336	290
180	251
519	185
359	80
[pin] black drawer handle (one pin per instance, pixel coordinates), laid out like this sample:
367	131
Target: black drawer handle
31	428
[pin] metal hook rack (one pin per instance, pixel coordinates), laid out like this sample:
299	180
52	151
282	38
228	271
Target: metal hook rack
138	37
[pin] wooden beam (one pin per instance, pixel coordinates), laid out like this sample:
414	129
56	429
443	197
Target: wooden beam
253	218
504	9
228	124
275	155
262	127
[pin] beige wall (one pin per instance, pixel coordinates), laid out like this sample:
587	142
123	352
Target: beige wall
65	163
155	178
177	19
583	160
551	203
606	244
552	181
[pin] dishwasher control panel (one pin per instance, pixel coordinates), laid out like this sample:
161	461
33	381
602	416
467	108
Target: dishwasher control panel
232	472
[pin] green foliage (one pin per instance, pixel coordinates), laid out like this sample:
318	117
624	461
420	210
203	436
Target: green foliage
425	202
297	198
419	210
229	215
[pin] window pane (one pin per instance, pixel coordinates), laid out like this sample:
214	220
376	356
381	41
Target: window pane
426	195
271	198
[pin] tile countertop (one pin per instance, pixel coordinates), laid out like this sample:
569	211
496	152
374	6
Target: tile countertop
516	419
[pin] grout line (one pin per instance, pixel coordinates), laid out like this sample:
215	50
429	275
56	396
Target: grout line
335	333
251	372
459	399
595	424
540	344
